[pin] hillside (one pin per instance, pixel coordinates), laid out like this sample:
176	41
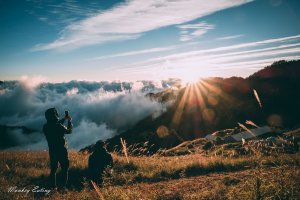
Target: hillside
192	167
156	177
220	103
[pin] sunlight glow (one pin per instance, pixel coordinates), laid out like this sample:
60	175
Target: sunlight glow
189	78
197	101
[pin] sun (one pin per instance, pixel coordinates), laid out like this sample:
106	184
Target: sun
197	99
189	78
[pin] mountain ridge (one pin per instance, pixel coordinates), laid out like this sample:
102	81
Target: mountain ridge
227	101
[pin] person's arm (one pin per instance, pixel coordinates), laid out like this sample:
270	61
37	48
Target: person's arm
68	129
62	121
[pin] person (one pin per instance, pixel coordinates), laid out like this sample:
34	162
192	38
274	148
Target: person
54	131
98	161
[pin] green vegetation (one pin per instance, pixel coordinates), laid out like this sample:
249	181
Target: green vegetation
191	176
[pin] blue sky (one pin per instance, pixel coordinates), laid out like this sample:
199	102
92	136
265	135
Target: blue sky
145	39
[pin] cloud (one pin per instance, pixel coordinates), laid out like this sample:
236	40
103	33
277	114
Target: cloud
192	31
204	62
21	141
72	91
256	44
139	52
33	81
254	64
88	132
255	54
43	19
131	19
99	109
230	37
62	13
76	41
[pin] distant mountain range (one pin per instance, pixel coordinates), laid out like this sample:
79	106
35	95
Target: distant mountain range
219	103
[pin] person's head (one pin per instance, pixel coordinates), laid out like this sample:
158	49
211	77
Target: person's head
51	115
99	146
100	143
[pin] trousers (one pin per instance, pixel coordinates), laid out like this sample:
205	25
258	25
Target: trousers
59	156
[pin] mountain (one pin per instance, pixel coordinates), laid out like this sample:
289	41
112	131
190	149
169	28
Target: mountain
279	69
219	103
10	135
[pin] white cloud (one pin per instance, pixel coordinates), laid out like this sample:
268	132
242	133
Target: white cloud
43	19
98	109
87	133
57	13
72	91
246	55
230	37
132	18
32	81
133	53
254	64
240	56
192	31
216	51
69	43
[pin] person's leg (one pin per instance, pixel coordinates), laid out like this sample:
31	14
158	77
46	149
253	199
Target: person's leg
53	168
64	163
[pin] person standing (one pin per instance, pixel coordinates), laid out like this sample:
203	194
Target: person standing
55	131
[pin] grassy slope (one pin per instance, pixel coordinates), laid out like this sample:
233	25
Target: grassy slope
178	177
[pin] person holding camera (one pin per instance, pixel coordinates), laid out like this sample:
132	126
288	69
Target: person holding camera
55	131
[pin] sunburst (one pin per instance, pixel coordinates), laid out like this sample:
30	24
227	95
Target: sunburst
196	99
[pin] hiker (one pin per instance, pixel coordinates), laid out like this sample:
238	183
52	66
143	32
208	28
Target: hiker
99	160
54	131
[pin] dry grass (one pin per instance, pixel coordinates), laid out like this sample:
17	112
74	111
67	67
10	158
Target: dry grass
123	142
257	98
98	190
178	177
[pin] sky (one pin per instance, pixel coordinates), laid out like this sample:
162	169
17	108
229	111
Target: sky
97	40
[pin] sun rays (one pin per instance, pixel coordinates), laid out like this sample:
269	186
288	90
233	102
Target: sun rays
197	101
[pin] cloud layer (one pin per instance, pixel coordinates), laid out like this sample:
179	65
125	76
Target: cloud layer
131	19
192	31
99	109
241	57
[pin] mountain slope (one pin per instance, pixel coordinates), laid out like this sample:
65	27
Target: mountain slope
216	103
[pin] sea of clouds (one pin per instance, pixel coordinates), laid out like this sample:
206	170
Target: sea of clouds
99	110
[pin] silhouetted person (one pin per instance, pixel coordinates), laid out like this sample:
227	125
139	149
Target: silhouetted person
54	131
99	160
